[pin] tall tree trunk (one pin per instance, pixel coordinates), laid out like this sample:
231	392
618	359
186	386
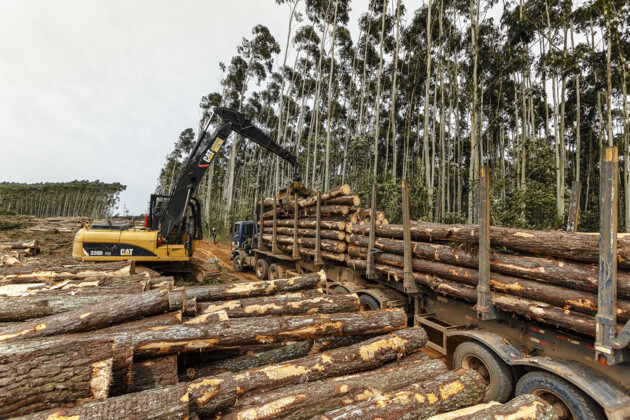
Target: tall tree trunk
377	125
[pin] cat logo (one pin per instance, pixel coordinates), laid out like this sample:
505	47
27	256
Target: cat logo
207	158
126	251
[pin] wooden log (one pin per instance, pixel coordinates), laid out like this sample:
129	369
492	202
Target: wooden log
337	235
153	373
27	274
566	298
249	361
264	330
350	200
308	224
325	211
326	244
448	391
161	282
30	247
209	395
333	256
307	400
37	306
359	357
288	304
43	375
538	311
573	246
573	275
256	288
170	318
524	407
127	308
168	403
325	196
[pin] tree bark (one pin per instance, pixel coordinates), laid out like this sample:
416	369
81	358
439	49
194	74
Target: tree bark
97	316
153	373
325	196
39	376
307	400
333	256
208	395
359	357
448	391
263	330
27	274
573	246
31	247
289	304
168	403
256	288
325	210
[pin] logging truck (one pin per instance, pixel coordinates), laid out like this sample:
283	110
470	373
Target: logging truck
583	376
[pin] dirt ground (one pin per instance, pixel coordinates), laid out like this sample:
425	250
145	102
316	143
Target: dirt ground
221	251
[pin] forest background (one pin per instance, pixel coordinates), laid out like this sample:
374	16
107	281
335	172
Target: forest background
532	89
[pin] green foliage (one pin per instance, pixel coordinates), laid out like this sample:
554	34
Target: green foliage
93	199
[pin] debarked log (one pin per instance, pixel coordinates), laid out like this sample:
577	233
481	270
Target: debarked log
36	376
306	400
288	304
256	288
32	246
326	244
262	330
168	403
127	308
344	360
448	391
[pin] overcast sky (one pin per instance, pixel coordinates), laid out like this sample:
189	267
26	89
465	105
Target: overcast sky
101	89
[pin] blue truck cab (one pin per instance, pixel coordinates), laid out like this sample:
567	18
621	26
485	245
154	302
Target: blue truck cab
242	234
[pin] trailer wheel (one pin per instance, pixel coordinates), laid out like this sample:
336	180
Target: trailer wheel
238	263
493	370
274	271
262	269
340	290
568	401
368	303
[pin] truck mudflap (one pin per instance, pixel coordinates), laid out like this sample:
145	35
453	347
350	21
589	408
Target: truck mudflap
614	399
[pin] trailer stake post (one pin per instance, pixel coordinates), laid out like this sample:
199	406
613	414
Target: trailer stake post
370	271
296	251
274	242
485	308
408	282
318	232
261	244
574	206
606	317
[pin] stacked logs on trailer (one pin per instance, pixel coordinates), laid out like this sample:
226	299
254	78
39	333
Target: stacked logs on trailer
547	276
330	221
107	341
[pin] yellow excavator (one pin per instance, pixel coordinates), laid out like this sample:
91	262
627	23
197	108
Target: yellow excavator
173	227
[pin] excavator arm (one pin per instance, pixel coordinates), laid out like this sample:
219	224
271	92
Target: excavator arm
200	159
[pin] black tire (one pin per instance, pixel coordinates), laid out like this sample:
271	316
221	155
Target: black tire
368	303
495	371
569	401
238	263
262	269
274	272
340	290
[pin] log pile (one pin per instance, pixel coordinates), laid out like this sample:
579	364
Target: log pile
339	210
102	341
12	253
538	275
